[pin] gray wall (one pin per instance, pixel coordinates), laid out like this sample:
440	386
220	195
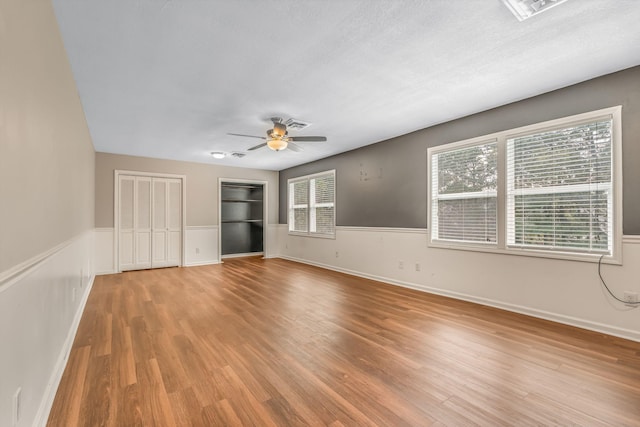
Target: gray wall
202	185
385	184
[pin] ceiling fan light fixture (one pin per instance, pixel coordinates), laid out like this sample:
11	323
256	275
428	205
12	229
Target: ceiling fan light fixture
277	138
218	154
277	144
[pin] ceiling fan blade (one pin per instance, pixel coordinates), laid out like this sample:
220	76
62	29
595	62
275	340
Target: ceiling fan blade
248	136
308	138
294	147
257	146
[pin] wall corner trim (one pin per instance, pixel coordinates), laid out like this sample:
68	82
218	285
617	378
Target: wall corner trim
631	239
14	274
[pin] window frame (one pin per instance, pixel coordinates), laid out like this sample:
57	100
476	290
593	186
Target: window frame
501	246
291	206
311	205
475	142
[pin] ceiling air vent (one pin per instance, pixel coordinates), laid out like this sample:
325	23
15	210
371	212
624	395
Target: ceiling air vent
238	155
296	124
524	9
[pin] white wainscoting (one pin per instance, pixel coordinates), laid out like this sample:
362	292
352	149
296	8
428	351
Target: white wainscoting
563	291
104	252
41	304
204	239
201	245
201	248
271	249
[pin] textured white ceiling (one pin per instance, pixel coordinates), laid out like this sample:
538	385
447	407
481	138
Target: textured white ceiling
169	79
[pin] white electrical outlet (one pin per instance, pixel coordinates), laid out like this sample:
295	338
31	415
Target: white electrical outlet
630	297
16	406
81	276
197	251
401	265
337	254
417	266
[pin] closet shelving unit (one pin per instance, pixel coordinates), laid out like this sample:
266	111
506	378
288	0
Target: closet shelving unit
241	218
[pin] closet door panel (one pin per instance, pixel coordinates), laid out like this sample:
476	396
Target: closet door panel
159	204
149	222
159	249
174	221
126	244
175	204
126	202
175	242
143	222
126	241
143	253
159	223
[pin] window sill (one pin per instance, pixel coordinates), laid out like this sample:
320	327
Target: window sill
316	235
557	255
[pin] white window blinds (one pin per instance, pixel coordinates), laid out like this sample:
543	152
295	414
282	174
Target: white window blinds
299	206
322	213
464	194
559	189
312	204
551	189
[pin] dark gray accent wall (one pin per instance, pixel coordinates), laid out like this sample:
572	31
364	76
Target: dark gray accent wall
385	184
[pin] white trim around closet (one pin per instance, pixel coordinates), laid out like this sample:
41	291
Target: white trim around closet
265	212
116	209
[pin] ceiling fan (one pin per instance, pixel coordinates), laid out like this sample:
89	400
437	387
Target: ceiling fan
277	138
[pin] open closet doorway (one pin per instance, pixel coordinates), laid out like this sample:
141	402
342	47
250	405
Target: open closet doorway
242	217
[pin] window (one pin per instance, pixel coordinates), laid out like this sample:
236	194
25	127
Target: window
559	189
550	189
464	184
312	204
299	206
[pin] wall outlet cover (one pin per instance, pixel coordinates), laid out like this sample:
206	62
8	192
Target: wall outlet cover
630	297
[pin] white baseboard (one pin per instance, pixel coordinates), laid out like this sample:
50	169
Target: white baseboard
242	255
199	264
103	273
44	409
567	320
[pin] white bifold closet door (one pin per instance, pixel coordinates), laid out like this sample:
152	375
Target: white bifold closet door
150	222
166	222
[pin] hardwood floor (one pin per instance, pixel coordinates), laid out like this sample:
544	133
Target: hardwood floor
276	343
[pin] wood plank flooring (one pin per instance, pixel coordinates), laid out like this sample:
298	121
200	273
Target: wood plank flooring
255	342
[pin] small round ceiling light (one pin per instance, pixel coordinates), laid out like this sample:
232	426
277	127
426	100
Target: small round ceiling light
218	154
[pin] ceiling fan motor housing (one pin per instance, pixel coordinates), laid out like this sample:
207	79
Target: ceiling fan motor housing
279	131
